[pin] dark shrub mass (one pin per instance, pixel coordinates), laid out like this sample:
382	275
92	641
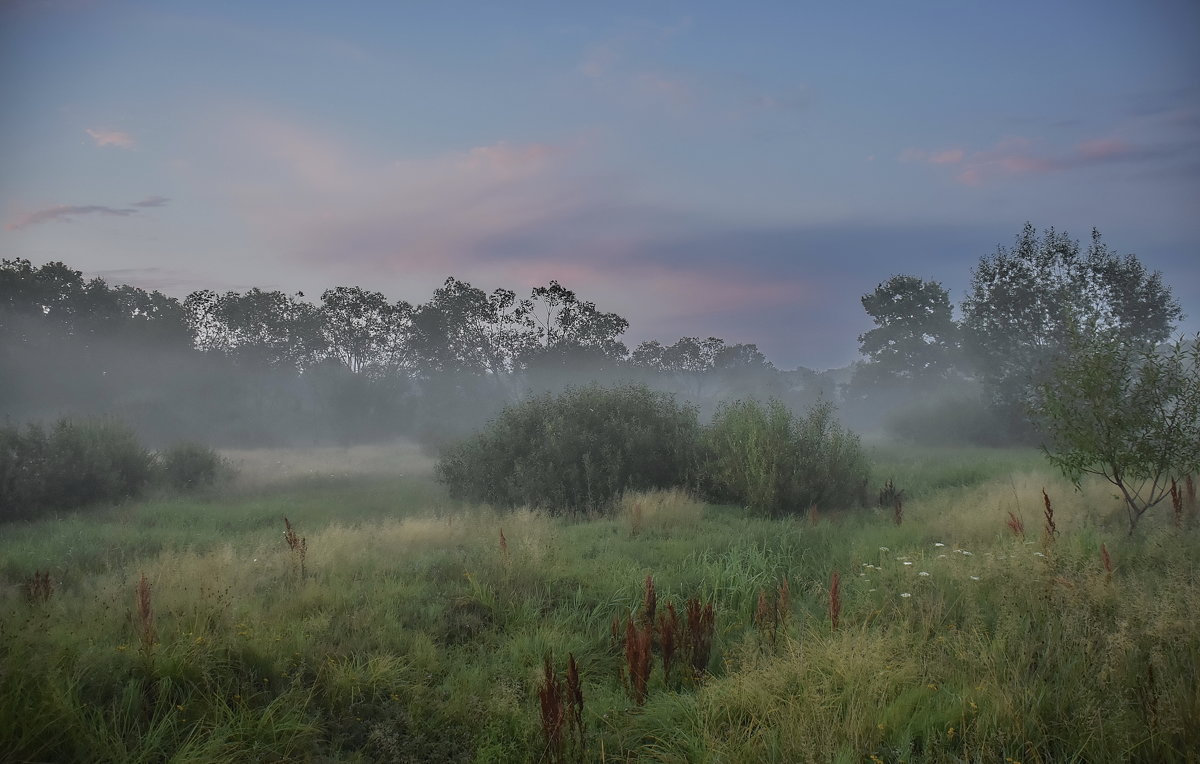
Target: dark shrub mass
576	452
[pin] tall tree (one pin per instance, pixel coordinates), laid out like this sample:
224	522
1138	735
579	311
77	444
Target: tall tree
464	329
363	330
915	337
1023	301
259	328
573	329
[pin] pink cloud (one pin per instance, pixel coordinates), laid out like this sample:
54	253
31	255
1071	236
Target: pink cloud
111	138
1103	148
949	156
1016	156
64	213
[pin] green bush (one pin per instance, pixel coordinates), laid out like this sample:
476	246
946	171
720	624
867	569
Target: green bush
764	456
576	452
74	464
189	466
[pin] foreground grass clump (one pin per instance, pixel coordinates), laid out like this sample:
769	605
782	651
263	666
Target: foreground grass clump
415	630
577	451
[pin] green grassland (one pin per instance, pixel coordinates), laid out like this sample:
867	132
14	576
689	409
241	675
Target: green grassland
409	632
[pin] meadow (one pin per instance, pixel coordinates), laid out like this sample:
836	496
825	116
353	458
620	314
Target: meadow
386	622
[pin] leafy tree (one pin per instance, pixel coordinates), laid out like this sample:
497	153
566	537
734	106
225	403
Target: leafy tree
915	337
272	329
573	329
464	329
363	330
1124	411
1022	301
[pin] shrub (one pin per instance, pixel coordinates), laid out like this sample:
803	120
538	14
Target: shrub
74	464
189	466
577	451
764	456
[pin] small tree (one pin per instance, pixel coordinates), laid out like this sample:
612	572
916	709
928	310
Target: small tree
1126	412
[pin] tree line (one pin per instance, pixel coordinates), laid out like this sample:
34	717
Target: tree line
267	365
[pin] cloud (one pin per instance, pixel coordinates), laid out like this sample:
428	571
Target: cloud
152	201
1017	156
65	213
111	138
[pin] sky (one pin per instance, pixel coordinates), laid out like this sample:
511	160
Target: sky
740	170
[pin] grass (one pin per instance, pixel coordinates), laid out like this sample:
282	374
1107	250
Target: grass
414	634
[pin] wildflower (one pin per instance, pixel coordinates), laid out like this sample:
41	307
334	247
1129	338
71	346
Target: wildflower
941	556
870	590
906	595
938	544
966	553
884	549
1039	554
908	563
923	573
950	733
974	578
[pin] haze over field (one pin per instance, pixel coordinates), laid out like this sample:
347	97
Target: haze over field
699	169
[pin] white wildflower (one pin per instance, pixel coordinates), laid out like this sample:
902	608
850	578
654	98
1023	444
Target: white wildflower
908	563
923	573
941	556
906	595
884	549
938	544
974	578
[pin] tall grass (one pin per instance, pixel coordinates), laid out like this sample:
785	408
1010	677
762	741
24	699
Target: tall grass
416	636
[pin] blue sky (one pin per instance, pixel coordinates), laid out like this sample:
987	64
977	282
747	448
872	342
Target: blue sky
740	170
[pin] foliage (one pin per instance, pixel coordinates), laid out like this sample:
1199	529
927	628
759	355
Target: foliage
74	464
1126	412
764	456
915	339
576	452
189	466
1022	300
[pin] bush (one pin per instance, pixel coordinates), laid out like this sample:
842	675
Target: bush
189	466
72	465
576	452
764	456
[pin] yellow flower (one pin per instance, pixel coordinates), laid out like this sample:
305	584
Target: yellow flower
950	733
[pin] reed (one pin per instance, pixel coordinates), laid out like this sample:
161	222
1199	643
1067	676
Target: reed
575	700
298	547
503	547
668	633
1176	503
38	587
649	605
553	713
638	659
701	623
145	612
1106	560
835	600
1049	530
1015	525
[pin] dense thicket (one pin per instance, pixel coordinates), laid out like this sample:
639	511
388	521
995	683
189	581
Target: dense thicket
580	450
77	463
764	456
576	452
